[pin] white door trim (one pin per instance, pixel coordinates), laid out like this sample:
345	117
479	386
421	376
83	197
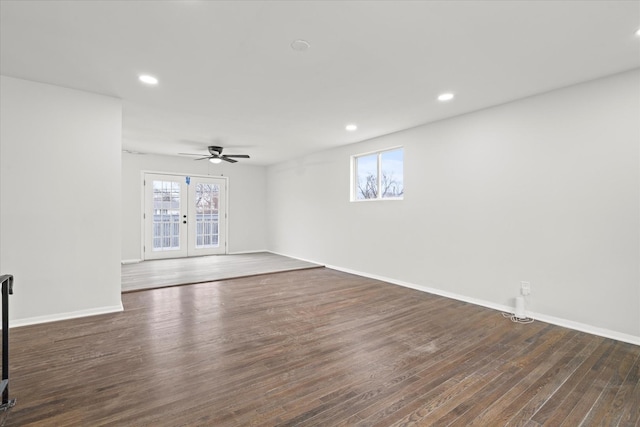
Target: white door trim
143	173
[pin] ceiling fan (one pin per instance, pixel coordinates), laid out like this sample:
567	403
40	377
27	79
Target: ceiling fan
217	156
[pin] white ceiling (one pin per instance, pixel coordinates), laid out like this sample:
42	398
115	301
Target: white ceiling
228	74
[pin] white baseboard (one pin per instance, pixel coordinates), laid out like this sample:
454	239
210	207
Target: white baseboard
594	330
307	260
582	327
475	301
130	261
65	316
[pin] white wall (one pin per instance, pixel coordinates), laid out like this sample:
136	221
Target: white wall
246	193
545	189
60	200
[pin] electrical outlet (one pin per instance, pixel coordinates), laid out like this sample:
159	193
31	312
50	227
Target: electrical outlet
525	288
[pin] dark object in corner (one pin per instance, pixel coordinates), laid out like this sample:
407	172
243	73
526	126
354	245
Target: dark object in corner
7	289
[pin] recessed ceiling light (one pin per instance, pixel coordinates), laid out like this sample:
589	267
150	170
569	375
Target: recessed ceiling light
445	97
351	127
150	80
300	45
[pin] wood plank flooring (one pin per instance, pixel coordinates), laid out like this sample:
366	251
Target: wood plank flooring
315	348
180	271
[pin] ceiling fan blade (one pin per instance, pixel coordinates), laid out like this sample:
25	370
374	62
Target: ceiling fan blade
239	156
226	159
203	158
190	154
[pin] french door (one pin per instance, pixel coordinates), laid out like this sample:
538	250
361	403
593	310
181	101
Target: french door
184	216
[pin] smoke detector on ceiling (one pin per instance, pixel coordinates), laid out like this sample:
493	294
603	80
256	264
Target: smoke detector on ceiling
300	45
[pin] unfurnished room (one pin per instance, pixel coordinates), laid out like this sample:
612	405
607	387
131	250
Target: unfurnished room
320	213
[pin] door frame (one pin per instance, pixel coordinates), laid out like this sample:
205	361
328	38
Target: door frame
181	175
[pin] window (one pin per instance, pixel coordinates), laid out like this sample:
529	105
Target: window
378	175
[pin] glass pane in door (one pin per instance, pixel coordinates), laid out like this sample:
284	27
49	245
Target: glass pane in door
207	211
166	215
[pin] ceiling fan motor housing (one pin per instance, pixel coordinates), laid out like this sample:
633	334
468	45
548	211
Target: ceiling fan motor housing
215	150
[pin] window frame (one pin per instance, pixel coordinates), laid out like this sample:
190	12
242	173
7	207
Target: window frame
354	175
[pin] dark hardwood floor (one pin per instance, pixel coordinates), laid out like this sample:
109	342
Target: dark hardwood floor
315	347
